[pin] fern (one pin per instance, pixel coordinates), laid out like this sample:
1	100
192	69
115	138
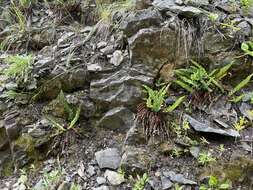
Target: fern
19	67
241	85
247	47
75	119
155	98
196	78
67	107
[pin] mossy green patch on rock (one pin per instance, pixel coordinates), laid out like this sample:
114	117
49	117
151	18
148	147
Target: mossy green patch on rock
239	170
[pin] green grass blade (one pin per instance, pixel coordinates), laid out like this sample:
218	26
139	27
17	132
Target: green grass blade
184	85
241	85
77	115
175	105
223	71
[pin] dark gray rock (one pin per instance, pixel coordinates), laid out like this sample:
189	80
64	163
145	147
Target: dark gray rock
102	188
197	3
4	141
113	177
117	58
64	186
81	98
118	118
135	135
101	180
186	11
11	126
206	127
91	171
140	19
245	110
135	160
123	87
150	49
166	183
194	150
108	158
178	178
154	183
245	28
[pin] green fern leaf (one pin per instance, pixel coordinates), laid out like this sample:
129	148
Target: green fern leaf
174	105
241	85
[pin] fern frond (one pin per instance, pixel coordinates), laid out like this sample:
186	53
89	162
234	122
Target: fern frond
175	105
185	86
241	85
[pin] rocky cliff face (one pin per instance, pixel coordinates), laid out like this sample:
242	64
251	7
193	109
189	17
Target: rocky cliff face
101	65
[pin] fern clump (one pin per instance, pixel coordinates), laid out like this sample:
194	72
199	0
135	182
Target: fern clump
19	67
196	78
247	47
151	113
246	4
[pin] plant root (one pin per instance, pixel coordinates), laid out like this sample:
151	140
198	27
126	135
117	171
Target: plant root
153	123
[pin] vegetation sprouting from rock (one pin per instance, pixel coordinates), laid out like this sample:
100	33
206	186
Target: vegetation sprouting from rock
151	113
126	94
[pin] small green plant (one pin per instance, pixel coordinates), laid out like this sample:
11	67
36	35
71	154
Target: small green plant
241	124
75	187
246	4
196	78
156	99
151	113
122	172
105	11
19	67
221	148
141	182
215	184
52	178
177	152
205	158
213	17
247	48
178	187
204	141
22	182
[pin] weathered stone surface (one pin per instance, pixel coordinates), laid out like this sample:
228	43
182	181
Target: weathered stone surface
178	178
4	141
123	87
102	188
166	183
155	183
100	180
81	98
170	5
11	126
150	49
135	135
118	118
206	127
140	19
135	160
245	110
108	158
197	3
114	178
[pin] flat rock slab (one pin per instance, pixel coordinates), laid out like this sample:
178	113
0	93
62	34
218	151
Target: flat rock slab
108	158
178	178
206	127
113	177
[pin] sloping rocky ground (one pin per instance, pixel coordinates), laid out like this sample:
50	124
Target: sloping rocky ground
94	57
